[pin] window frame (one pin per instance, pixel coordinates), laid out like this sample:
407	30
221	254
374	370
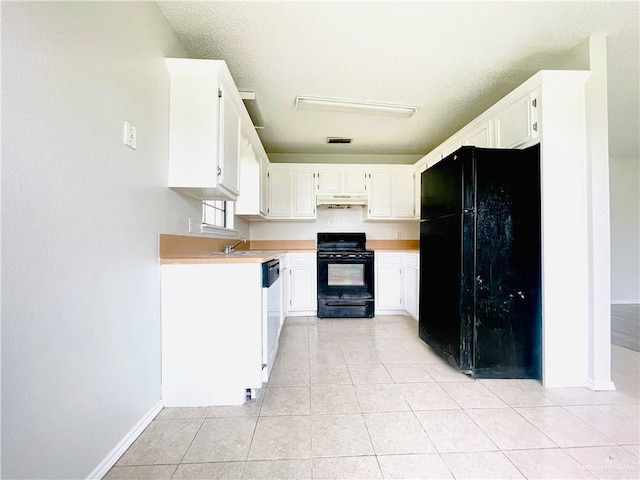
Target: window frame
224	227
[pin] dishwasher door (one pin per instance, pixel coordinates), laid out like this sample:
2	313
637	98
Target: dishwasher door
271	314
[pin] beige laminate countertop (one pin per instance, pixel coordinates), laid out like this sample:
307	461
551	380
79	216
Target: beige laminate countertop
206	258
240	256
181	249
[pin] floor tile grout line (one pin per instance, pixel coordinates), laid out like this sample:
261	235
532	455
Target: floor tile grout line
189	446
588	425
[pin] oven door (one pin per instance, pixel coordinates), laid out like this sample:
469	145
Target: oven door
345	285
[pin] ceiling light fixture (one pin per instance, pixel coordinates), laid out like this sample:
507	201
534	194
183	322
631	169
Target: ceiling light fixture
355	106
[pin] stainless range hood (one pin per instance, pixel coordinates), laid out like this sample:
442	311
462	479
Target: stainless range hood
341	200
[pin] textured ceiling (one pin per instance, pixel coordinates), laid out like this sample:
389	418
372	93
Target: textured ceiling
450	59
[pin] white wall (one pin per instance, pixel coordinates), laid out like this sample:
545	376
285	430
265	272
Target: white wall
80	223
625	230
335	220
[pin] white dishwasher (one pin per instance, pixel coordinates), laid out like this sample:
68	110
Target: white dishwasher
271	314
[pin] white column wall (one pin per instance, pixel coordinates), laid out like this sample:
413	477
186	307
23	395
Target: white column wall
565	224
599	372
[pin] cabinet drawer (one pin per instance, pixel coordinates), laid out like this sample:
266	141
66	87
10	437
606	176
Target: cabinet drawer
302	259
411	260
389	258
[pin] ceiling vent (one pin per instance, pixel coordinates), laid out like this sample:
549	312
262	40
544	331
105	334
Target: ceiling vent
339	140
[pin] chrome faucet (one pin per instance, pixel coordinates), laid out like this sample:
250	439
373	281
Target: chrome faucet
229	248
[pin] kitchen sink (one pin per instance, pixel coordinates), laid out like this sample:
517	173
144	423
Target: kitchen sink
245	252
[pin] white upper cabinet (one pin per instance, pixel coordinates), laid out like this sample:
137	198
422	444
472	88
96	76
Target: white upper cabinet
342	180
252	201
205	113
304	199
291	193
402	194
379	194
514	122
229	159
329	181
354	181
279	188
391	194
264	186
480	136
517	124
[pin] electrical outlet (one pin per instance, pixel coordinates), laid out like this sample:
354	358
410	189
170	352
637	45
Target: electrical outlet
129	138
191	225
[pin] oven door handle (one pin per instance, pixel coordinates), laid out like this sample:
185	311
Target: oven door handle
356	304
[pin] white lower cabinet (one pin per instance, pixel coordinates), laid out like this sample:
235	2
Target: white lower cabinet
411	262
389	285
303	298
285	277
211	321
397	283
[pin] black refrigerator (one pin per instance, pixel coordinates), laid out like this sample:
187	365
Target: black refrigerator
480	261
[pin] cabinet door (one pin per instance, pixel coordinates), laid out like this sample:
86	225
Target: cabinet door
264	198
229	159
329	181
514	125
389	286
402	195
481	136
286	287
248	201
411	284
304	199
302	283
279	193
354	181
380	194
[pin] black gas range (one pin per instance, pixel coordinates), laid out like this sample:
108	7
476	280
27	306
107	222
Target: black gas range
345	276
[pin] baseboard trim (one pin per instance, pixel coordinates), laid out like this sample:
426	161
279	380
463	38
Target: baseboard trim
115	454
601	386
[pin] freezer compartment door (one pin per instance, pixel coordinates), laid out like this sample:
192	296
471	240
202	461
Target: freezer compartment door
447	187
440	285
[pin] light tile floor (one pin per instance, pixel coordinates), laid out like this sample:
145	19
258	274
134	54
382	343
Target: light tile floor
365	398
